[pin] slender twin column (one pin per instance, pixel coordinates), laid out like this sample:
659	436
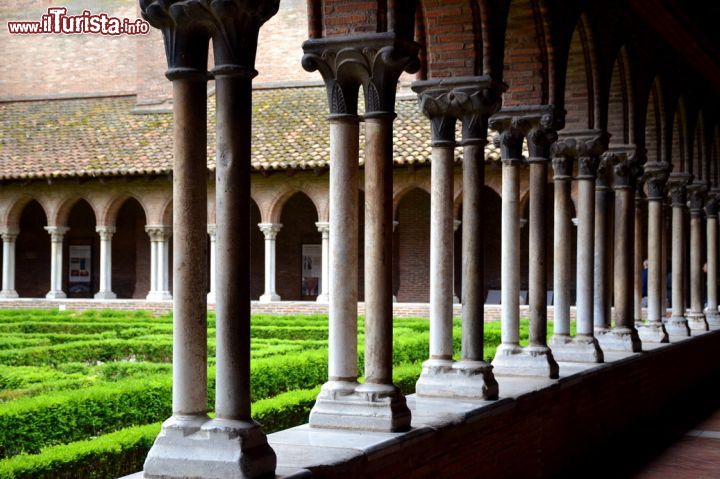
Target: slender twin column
639	252
159	262
324	229
270	231
231	444
106	233
711	311
604	199
373	61
677	325
57	235
456	298
212	232
8	271
443	102
696	319
586	147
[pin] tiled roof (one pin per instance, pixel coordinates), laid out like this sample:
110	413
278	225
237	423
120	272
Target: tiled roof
102	137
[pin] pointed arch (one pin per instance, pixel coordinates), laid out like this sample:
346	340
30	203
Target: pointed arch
655	123
699	151
109	215
580	100
620	119
678	142
17	206
63	211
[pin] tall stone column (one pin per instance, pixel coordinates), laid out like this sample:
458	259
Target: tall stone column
8	271
374	61
57	235
623	336
440	378
586	147
324	229
562	275
212	232
696	319
456	298
604	199
711	311
270	231
106	233
677	325
514	124
639	252
186	31
159	259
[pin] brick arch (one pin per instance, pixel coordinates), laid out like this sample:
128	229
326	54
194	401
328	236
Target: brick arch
109	215
528	54
62	212
620	119
655	123
272	211
16	207
678	142
580	94
167	213
699	151
402	192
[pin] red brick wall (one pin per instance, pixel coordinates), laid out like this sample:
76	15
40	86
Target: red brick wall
342	17
452	38
413	235
653	130
32	253
678	140
618	125
298	219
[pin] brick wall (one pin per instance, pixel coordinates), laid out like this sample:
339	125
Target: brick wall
653	125
618	124
413	234
677	156
452	38
578	84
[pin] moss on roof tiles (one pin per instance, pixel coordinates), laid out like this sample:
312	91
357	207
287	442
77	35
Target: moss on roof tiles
101	137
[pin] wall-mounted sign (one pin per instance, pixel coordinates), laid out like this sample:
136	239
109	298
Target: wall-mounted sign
311	269
79	278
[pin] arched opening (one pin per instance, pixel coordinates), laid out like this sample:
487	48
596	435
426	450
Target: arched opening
131	252
619	101
413	247
699	161
654	125
678	139
81	265
580	81
32	253
299	250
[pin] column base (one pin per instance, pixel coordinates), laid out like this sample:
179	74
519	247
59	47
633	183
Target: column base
364	407
712	317
677	326
8	294
322	298
456	300
697	323
580	349
159	296
269	298
105	295
201	448
211	298
56	294
533	361
621	340
457	380
653	332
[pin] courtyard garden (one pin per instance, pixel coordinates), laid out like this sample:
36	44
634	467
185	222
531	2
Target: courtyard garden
84	394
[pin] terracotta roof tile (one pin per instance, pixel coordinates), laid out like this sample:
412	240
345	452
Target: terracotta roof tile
101	137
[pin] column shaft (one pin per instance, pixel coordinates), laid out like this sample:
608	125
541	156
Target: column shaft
190	250
8	270
270	230
538	254
602	281
711	312
655	279
696	261
623	267
153	266
57	234
324	229
562	275
378	249
212	232
510	254
585	253
638	257
678	264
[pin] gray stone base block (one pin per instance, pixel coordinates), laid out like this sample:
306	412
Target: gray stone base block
697	322
159	296
677	326
269	298
468	380
56	295
654	332
8	293
364	407
712	317
105	295
580	349
620	340
532	361
200	448
322	298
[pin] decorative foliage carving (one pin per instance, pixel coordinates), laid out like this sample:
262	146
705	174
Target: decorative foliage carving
697	192
677	185
656	175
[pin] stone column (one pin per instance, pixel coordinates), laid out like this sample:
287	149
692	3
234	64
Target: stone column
663	257
696	319
106	233
639	252
623	336
324	229
677	325
374	61
562	275
175	453
57	234
456	298
8	272
602	299
586	147
212	232
270	231
159	259
711	311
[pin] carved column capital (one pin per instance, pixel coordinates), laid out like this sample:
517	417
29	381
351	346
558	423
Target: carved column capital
186	26
373	61
270	230
158	232
509	138
437	103
562	168
9	235
605	171
697	191
677	185
106	232
656	175
212	231
711	204
323	227
584	145
538	123
57	232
